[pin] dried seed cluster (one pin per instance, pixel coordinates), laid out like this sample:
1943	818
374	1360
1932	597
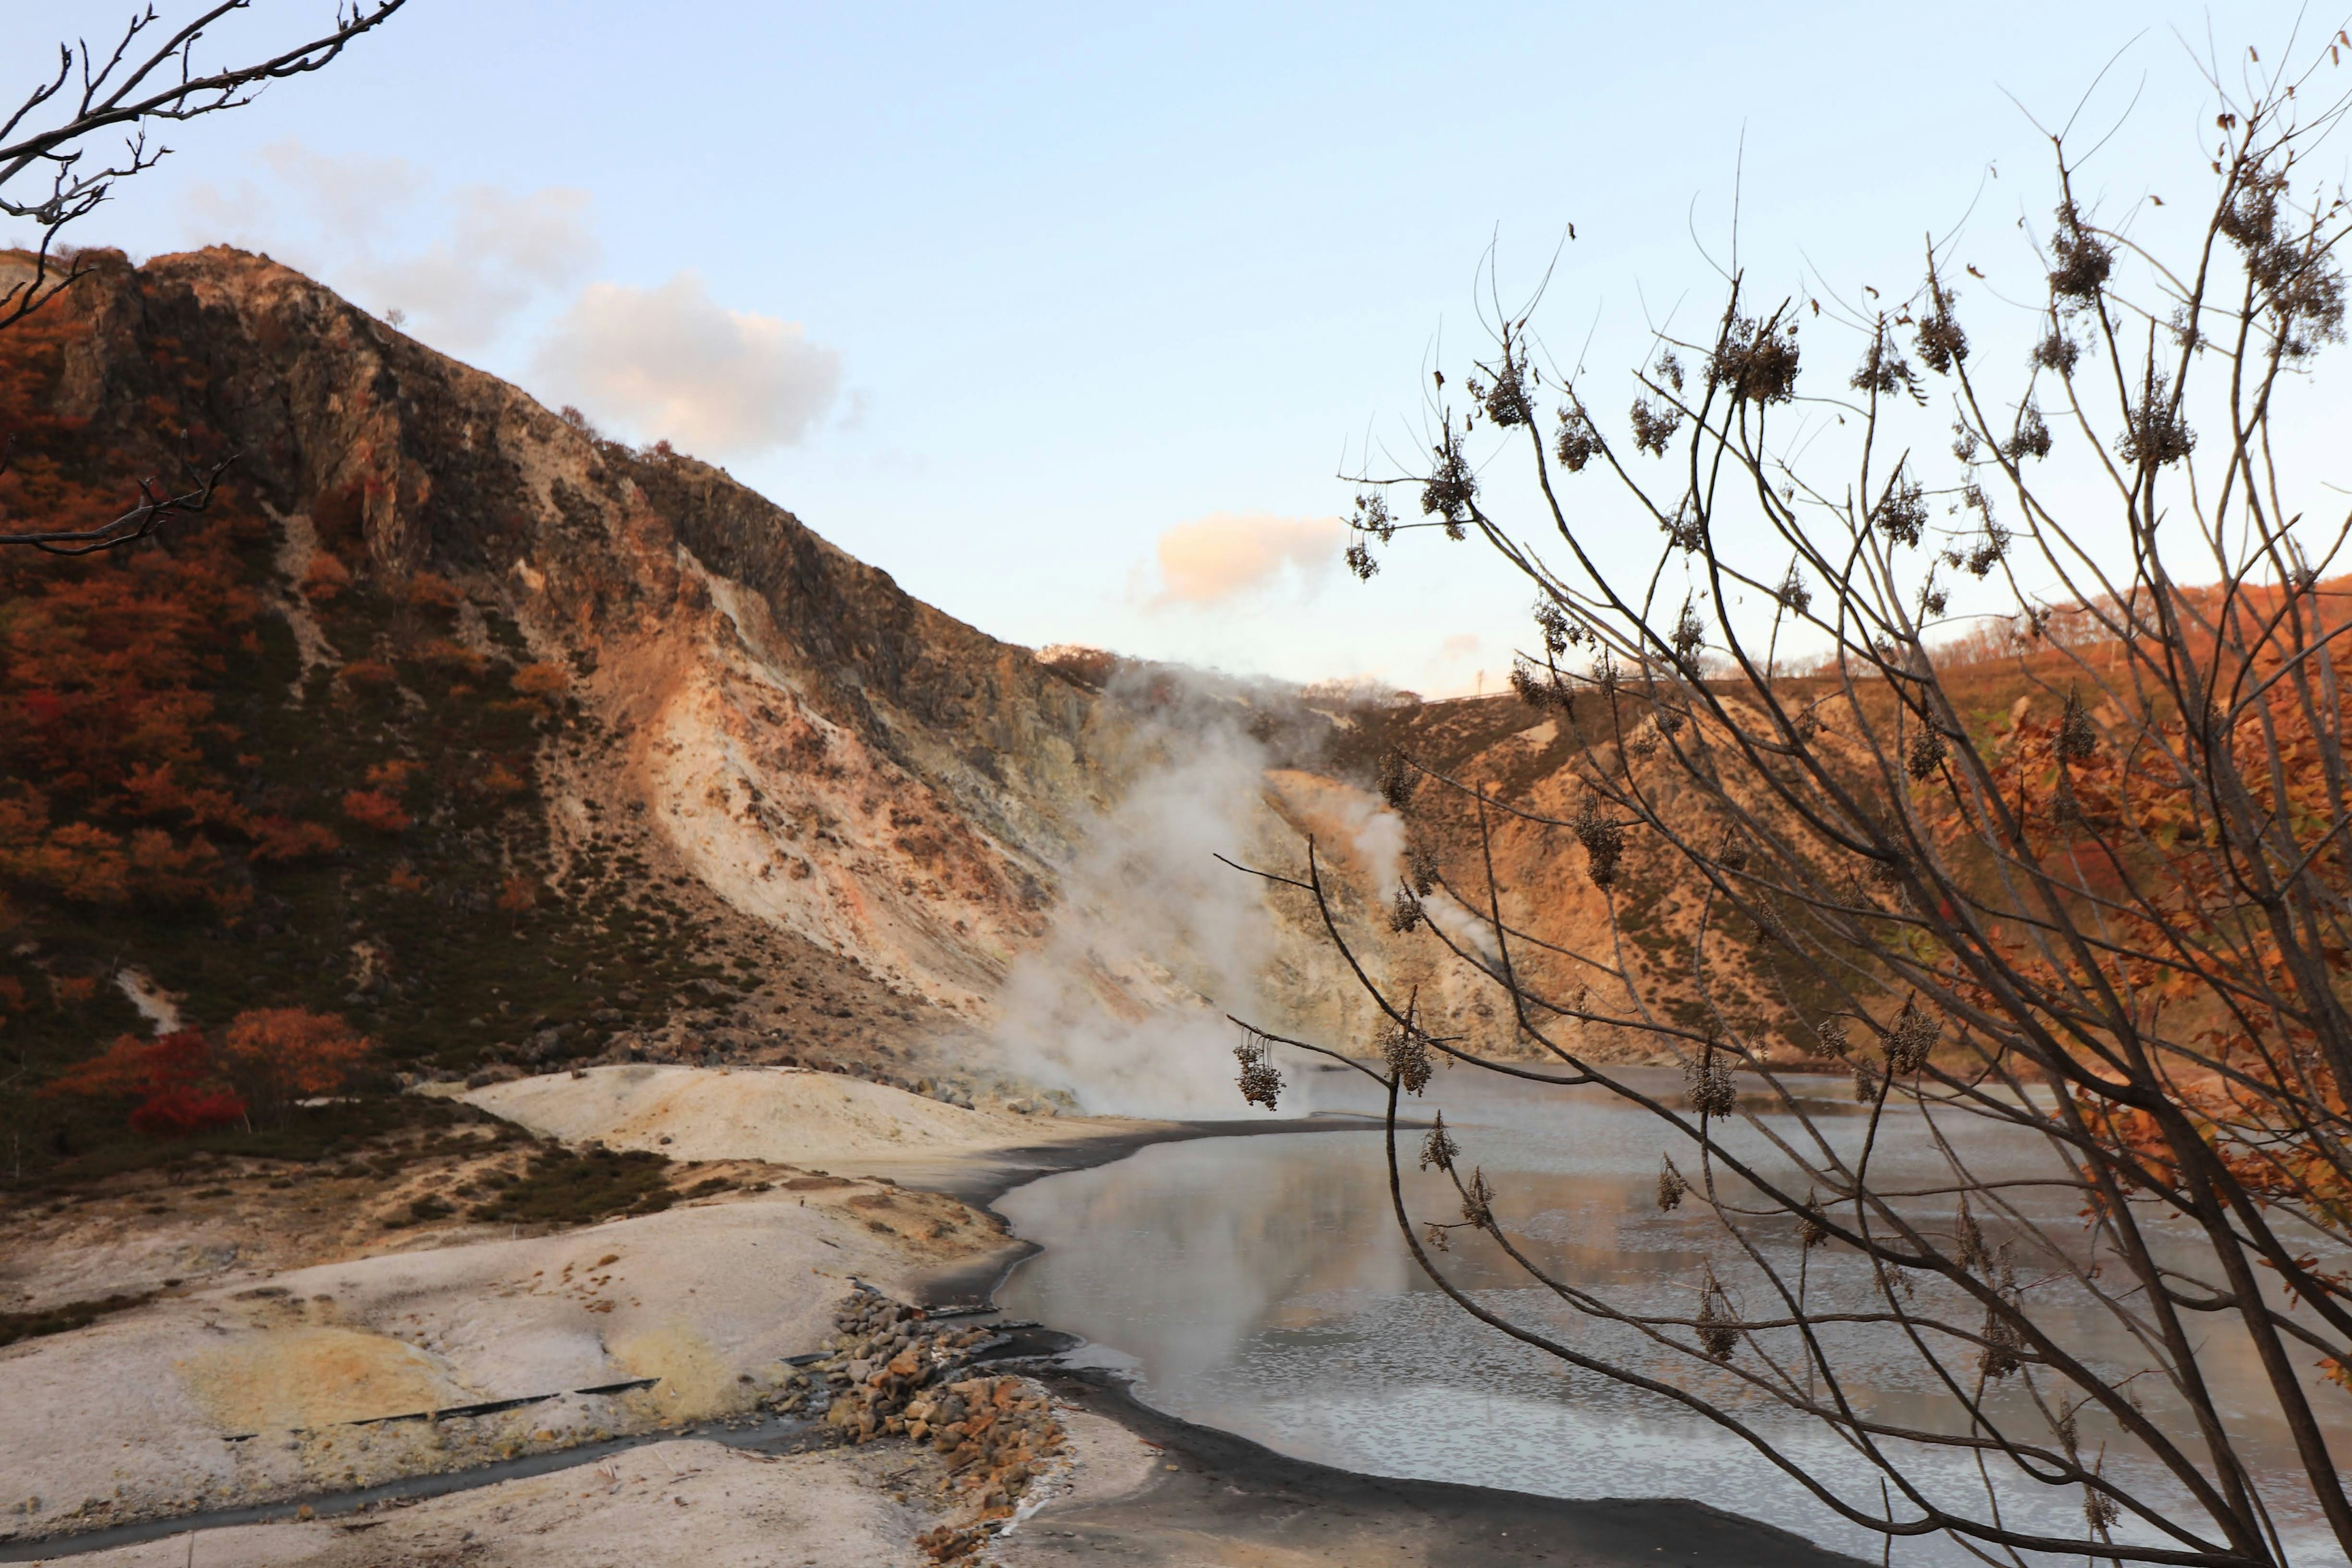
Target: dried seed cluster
1603	838
1910	1037
1406	1053
1260	1080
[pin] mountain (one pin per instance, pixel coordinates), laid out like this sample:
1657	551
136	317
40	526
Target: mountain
518	746
507	739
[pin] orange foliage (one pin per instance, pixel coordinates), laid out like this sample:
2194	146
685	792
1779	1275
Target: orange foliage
369	674
430	591
279	840
325	579
454	659
105	719
392	777
517	895
502	779
2138	854
265	1061
275	1056
375	811
541	682
406	879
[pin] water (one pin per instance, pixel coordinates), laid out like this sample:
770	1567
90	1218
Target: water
1259	1284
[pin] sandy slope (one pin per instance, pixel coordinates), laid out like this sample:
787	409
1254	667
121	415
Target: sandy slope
244	1392
688	1503
782	1115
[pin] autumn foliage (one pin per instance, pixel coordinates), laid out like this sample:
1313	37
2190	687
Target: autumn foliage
375	811
182	1083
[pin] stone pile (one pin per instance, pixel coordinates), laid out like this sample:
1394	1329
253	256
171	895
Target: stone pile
890	1372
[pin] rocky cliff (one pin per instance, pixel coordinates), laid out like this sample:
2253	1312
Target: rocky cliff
511	741
519	746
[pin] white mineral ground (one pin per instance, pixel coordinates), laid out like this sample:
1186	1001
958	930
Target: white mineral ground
238	1385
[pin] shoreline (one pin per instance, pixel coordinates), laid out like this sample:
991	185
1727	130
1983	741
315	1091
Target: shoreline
1255	1502
1260	1505
1212	1498
974	1179
985	1182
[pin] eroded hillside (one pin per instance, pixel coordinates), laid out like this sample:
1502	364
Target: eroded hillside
512	744
521	748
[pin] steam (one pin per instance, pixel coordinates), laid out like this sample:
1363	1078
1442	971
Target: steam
1156	940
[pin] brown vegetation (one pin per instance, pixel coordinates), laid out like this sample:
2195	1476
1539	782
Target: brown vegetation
2081	882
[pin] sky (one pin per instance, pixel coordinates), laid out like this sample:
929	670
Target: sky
1072	318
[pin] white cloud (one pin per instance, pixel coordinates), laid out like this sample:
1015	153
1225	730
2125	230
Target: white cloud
1225	555
459	266
673	363
504	252
352	197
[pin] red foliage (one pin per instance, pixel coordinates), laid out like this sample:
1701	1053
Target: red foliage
182	1112
376	811
517	895
107	783
182	1083
279	840
174	1078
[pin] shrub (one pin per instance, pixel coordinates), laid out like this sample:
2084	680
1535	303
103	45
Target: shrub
375	811
281	840
504	781
324	580
430	591
392	777
275	1056
175	1080
369	675
543	683
454	659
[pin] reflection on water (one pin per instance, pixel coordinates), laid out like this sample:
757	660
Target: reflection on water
1258	1285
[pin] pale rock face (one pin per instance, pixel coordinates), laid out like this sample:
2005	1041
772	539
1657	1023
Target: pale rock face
783	728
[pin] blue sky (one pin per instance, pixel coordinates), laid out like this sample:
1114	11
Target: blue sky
1065	278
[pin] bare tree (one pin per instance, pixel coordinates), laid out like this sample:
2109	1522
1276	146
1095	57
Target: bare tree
2105	922
53	172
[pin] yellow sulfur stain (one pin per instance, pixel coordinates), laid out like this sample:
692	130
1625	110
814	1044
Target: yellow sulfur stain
284	1378
694	1380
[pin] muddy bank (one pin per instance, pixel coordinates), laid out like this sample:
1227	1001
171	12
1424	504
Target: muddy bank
1212	1498
1138	1486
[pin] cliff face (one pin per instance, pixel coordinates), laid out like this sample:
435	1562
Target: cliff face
826	753
508	742
516	745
